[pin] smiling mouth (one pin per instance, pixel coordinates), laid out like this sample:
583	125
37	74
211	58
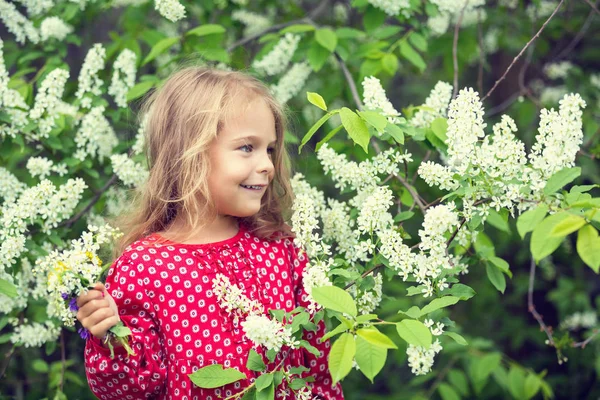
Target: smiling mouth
253	187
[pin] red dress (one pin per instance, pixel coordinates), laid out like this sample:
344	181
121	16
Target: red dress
164	295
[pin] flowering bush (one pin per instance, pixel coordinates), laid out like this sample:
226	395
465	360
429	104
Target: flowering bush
411	235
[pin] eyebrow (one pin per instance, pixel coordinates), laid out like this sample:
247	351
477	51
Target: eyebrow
251	137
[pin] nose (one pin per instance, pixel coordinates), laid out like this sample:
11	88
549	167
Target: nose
265	164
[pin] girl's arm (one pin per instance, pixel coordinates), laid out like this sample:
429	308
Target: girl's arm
321	387
137	376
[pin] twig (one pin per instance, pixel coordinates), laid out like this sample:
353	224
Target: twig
578	37
586	341
593	6
531	306
481	52
350	81
315	13
455	48
8	358
522	51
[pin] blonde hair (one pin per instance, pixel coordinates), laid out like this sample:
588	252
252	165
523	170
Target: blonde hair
185	115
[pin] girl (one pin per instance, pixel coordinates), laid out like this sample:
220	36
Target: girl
212	206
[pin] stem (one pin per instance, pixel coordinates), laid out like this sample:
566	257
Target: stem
455	47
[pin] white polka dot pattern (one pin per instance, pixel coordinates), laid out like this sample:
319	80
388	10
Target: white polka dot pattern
163	292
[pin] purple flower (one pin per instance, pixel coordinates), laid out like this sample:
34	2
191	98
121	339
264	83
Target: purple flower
73	304
84	333
64	296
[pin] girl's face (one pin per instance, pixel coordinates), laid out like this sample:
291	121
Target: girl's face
241	161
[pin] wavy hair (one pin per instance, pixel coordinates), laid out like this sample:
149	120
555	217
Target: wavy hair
185	114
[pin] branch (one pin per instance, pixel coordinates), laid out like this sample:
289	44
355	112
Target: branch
578	37
531	306
350	81
522	51
593	6
315	13
455	47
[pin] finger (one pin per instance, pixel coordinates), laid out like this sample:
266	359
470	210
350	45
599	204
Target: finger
97	316
90	295
100	329
91	306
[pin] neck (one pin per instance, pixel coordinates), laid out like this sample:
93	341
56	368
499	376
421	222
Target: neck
221	228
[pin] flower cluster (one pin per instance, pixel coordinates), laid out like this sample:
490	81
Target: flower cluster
95	136
128	171
436	105
277	60
558	70
578	320
18	24
10	186
47	100
54	27
123	77
172	10
420	359
290	84
260	329
35	334
375	98
391	7
89	81
254	22
43	167
315	275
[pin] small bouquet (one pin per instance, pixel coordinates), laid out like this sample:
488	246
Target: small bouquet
74	270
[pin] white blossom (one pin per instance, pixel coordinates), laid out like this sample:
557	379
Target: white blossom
595	81
391	7
558	70
43	167
95	136
420	359
35	334
18	24
89	81
375	98
438	175
541	9
277	60
37	7
10	186
254	22
46	100
54	27
373	216
455	6
172	10
123	78
263	331
315	275
578	320
438	24
290	84
140	139
128	171
436	105
304	222
233	300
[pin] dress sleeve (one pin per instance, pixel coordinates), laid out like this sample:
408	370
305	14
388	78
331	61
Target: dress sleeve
321	387
138	376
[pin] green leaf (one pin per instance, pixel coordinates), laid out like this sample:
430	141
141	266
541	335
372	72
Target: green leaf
542	244
206	29
418	41
532	385
395	132
457	338
458	379
484	246
317	100
369	357
516	382
439	126
407	51
326	38
447	392
337	330
496	277
484	366
263	381
120	330
356	127
462	291
561	178
160	48
568	225
40	366
267	394
376	338
7	288
588	247
498	221
413	312
438	303
501	265
139	90
530	219
328	137
255	362
414	332
375	119
335	298
297	384
297	28
340	357
314	129
214	376
390	63
317	56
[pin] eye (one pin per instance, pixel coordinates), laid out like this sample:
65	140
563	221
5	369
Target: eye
246	146
271	150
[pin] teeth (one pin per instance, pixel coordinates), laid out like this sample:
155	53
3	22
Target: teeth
252	187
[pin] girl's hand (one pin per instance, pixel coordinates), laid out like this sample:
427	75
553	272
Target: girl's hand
97	311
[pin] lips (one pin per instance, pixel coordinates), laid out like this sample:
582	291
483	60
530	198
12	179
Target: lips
253	187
